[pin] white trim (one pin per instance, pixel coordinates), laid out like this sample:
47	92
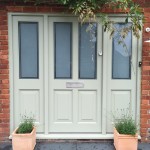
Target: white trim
138	90
104	84
46	66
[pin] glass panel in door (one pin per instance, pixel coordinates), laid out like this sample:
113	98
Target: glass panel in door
121	54
87	51
28	48
63	50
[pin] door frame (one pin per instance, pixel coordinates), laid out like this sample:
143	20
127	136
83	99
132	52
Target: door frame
45	135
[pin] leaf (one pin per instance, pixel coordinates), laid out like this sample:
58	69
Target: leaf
126	20
87	9
105	28
139	26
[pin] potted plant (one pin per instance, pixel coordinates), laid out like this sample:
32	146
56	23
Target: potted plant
125	133
24	137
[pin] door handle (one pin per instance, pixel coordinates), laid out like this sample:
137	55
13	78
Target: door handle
100	53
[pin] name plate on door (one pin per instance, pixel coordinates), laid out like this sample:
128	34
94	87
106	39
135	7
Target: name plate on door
74	85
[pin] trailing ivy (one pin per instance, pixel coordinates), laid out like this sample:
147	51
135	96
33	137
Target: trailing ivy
88	10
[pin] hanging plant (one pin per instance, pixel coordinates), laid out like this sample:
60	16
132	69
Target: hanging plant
88	10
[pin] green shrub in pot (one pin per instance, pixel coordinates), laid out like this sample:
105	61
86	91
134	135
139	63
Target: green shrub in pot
126	125
125	132
26	126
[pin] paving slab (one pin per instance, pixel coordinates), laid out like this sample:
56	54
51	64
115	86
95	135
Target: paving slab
55	146
75	146
95	146
144	146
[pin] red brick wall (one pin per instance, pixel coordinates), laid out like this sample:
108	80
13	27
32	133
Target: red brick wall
4	66
4	76
145	81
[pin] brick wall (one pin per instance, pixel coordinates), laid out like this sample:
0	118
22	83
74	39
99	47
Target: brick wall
145	81
4	76
4	66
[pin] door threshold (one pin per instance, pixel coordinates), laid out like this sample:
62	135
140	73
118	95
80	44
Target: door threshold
72	136
75	136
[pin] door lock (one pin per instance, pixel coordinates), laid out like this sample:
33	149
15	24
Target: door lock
140	63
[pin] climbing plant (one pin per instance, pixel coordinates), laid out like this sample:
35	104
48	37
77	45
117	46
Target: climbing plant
88	10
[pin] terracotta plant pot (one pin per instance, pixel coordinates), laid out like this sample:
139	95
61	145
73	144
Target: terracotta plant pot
24	141
125	142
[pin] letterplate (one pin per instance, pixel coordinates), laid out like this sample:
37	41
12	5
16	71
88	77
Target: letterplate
74	85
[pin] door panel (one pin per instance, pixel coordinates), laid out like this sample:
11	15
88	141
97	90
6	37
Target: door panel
121	77
28	70
120	99
63	99
29	102
76	102
87	106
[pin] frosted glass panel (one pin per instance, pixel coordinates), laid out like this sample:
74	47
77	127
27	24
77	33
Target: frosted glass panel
87	51
121	65
63	46
28	33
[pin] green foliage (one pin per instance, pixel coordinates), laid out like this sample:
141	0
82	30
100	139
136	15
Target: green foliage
126	125
87	11
26	126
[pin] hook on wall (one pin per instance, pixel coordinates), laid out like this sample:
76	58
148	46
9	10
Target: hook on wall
147	29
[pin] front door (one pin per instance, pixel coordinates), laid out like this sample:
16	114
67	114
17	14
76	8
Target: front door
58	74
75	65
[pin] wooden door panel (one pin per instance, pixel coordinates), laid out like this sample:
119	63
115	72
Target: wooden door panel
75	103
121	87
87	103
63	106
28	91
